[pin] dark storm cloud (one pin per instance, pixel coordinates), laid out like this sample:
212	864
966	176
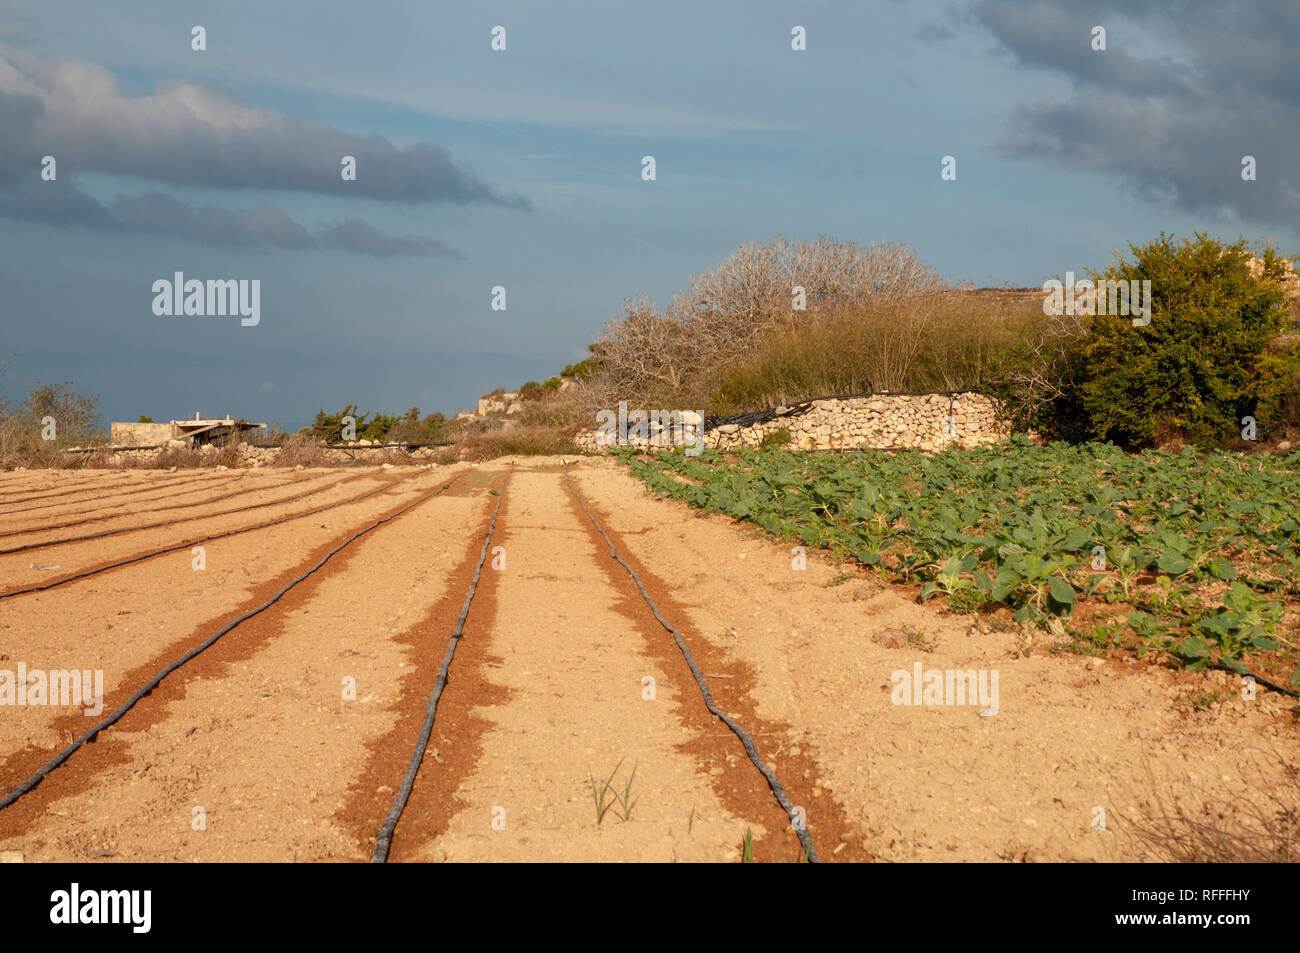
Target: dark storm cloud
1173	126
190	134
187	133
154	213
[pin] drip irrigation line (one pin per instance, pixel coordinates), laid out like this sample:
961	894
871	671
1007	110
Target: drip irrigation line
84	487
1259	679
193	542
91	733
103	515
104	512
171	522
385	839
119	489
801	830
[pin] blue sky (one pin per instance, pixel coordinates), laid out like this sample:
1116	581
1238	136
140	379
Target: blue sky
522	169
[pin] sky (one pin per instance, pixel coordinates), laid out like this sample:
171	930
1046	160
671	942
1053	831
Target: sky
479	168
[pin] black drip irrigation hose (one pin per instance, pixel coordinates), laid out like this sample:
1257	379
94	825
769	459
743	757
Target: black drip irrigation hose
800	829
384	841
120	489
105	515
194	542
1260	680
91	733
171	522
14	485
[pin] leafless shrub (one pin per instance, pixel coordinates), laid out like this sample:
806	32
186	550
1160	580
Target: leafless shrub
301	450
673	357
520	441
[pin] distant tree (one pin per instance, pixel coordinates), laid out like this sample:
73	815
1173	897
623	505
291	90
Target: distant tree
671	355
75	415
145	419
377	428
414	429
329	427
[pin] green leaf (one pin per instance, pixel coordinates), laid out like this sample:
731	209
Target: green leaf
1193	647
1062	591
1004	583
1172	563
1223	570
928	590
1077	538
1027	613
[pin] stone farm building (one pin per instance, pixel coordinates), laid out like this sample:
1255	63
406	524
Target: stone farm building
194	432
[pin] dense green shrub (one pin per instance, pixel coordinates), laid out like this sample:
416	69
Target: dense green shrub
413	428
1202	363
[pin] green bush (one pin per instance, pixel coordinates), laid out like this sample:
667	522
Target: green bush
329	427
1202	362
413	428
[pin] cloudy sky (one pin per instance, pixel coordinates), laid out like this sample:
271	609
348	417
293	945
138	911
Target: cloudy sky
479	168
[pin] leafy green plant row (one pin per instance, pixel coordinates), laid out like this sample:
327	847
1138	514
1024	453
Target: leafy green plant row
1203	548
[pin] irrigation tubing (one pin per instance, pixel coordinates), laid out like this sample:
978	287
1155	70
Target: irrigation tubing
121	489
385	839
1259	679
116	511
91	733
84	487
800	829
194	542
105	515
171	522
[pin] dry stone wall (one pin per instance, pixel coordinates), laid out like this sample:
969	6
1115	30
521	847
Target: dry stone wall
878	421
253	456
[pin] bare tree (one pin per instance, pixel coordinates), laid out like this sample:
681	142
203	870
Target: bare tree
750	293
